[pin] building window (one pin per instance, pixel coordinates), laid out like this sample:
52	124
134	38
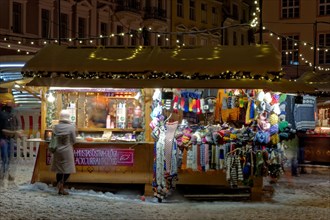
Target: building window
214	16
204	13
192	15
134	35
17	18
179	8
104	33
64	26
204	42
324	7
192	41
290	50
242	39
235	12
324	43
290	9
225	37
120	38
81	27
45	23
159	40
179	39
234	38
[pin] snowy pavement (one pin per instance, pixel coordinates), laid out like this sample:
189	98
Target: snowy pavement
304	197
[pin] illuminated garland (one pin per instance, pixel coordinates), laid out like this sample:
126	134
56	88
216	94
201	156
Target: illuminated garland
271	76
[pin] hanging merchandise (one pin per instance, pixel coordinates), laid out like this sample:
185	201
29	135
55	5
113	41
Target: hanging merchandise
121	115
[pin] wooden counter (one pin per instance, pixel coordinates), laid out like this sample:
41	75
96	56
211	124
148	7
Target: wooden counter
314	149
100	163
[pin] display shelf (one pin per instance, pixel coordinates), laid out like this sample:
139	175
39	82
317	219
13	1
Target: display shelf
110	129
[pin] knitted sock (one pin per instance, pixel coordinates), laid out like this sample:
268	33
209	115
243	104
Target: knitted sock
202	102
190	104
182	103
198	107
194	106
186	105
211	105
175	104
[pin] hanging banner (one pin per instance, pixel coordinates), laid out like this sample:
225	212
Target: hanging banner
101	157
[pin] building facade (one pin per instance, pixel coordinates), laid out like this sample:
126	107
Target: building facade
28	25
300	29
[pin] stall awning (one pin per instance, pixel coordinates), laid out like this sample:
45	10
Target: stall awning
256	59
156	67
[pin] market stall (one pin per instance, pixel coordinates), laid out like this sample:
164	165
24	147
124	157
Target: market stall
192	130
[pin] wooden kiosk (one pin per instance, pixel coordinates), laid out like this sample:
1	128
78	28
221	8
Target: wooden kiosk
143	69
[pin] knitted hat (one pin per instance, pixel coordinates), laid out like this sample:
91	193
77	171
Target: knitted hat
282	97
275	99
261	107
274	139
261	96
282	117
268	97
273	129
261	137
65	115
273	119
282	125
263	125
268	107
276	109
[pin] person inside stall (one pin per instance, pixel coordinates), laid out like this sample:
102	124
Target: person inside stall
97	112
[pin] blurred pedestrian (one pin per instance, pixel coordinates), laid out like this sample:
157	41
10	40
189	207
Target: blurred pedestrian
63	158
8	126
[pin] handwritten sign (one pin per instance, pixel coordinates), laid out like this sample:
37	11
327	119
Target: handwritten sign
102	157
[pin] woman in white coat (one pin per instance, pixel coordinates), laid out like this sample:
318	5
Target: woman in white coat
63	158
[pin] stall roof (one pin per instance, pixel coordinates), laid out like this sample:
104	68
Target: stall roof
319	80
258	59
156	67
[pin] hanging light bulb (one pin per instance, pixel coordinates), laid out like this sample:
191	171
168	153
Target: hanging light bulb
51	98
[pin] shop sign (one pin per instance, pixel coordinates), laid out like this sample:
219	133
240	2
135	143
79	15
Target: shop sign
102	157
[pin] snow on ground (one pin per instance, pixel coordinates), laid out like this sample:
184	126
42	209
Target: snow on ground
304	197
